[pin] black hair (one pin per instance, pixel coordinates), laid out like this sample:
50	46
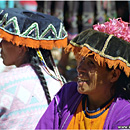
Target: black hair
33	59
122	85
122	88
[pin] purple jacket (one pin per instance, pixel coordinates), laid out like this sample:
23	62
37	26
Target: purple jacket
63	106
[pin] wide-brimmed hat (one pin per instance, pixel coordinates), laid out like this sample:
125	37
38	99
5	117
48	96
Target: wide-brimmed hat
32	29
108	42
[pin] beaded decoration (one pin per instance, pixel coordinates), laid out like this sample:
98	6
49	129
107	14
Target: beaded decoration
34	30
47	70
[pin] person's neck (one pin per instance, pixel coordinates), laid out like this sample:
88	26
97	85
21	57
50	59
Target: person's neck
94	102
19	64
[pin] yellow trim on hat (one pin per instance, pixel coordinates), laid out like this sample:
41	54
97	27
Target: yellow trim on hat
100	59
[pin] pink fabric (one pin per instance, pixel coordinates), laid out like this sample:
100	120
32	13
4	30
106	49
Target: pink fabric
22	99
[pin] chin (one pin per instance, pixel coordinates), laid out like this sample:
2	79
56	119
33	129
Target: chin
80	90
6	64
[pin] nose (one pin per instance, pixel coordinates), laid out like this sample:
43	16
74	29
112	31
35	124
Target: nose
81	71
80	66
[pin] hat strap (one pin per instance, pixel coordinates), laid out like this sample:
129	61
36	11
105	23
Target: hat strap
46	68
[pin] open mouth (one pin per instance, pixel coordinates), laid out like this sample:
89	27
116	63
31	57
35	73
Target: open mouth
82	79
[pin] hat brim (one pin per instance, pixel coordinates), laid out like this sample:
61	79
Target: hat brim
32	43
105	48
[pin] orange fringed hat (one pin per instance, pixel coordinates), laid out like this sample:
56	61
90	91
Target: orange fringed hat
32	29
108	42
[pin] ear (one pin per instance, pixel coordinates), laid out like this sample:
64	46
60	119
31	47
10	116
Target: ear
22	49
115	75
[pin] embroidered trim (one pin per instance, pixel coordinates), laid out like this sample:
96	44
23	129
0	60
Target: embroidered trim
61	35
45	44
85	50
31	37
105	45
92	114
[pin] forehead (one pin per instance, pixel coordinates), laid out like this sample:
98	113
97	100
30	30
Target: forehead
91	59
5	42
7	45
86	58
84	61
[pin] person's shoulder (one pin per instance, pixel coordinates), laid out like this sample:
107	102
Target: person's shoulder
68	94
119	113
15	70
70	86
122	103
68	90
16	73
120	106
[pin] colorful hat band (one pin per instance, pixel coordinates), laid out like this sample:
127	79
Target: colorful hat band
28	42
32	29
106	49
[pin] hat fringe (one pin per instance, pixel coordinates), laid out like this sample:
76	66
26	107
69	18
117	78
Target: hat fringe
102	60
84	51
74	49
28	42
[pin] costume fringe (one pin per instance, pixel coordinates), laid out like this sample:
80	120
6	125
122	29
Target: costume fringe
84	51
74	49
32	43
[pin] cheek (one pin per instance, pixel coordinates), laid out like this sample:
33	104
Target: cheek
9	57
102	78
93	78
5	49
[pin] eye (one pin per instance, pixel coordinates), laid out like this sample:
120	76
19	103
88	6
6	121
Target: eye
91	63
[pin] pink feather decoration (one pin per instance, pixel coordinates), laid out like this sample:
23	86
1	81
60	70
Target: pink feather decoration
117	27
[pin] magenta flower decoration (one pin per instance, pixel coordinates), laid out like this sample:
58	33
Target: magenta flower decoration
116	27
